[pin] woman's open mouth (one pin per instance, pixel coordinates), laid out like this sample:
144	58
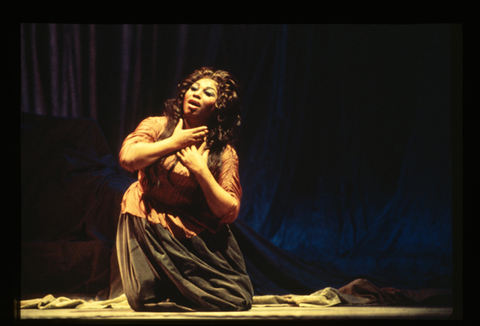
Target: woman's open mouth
193	104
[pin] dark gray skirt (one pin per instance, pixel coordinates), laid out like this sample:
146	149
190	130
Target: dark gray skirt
161	273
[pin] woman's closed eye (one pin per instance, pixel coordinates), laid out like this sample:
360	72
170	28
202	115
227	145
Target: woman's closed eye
208	91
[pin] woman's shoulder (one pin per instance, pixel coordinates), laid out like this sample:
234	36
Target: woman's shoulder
150	127
156	123
156	120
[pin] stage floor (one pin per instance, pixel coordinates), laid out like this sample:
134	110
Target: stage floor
256	313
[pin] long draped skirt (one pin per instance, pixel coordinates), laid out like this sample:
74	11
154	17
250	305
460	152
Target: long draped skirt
161	273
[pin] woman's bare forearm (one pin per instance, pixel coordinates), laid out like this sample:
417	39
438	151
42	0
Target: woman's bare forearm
144	154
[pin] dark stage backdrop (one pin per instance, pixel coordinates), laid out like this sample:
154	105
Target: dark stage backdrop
346	151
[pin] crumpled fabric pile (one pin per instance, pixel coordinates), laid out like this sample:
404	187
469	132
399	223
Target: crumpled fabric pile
50	302
358	292
327	297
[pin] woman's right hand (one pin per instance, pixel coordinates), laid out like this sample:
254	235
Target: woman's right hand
188	137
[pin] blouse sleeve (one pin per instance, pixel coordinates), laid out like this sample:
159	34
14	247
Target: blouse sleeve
229	180
147	131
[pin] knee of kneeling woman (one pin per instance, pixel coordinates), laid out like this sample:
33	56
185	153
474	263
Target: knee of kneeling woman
136	301
246	304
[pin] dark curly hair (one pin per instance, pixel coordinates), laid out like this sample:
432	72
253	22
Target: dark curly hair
224	123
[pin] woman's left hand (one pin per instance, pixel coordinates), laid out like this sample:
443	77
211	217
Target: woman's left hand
194	159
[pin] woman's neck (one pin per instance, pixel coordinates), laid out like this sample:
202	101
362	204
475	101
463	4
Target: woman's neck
189	124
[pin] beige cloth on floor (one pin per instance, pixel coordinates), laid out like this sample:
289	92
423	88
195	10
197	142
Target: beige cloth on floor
50	302
327	297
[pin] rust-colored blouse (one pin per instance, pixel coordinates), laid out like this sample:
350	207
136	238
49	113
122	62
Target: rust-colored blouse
180	206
